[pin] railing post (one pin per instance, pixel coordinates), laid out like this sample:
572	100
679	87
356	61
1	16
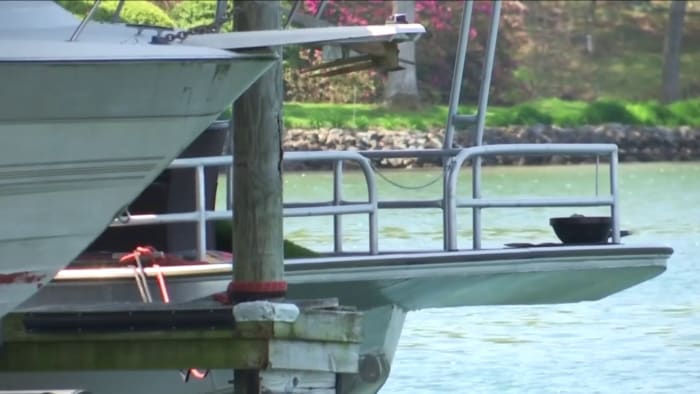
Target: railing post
615	208
446	163
476	211
200	201
373	199
229	186
457	78
451	213
85	21
597	171
486	73
337	199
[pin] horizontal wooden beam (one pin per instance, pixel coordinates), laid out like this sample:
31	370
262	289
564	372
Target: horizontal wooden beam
318	340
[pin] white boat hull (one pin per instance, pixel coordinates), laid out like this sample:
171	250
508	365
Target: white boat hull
81	139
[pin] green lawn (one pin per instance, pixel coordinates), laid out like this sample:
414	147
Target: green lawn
549	111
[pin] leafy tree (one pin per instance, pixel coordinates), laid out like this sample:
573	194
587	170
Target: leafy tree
672	52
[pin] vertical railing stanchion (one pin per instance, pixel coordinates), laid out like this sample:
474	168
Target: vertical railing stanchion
337	200
458	76
200	208
476	211
446	165
486	73
597	172
85	21
481	119
453	170
229	189
615	208
374	201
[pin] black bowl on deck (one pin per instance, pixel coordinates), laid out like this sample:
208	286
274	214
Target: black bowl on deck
582	229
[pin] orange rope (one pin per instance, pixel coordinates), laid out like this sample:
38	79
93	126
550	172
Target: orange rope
197	374
137	253
160	278
161	284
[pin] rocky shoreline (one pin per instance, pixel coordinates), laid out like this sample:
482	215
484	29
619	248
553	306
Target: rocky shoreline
636	143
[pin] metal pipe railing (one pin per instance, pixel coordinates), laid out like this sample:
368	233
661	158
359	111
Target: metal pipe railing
457	77
477	202
337	200
449	202
84	22
615	207
336	208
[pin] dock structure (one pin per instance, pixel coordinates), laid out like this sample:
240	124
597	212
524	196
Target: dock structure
272	345
330	342
285	346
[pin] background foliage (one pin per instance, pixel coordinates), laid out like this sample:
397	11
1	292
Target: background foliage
544	70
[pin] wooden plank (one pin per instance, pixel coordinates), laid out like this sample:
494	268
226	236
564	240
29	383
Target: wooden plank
328	325
129	354
314	356
312	325
178	354
319	340
297	382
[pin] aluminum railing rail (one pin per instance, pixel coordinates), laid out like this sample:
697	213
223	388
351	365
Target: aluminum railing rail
477	202
449	203
336	208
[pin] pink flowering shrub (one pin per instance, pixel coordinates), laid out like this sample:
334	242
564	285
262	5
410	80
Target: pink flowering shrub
436	51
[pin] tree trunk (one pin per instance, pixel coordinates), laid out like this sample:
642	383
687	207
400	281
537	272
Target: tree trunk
670	89
402	86
257	147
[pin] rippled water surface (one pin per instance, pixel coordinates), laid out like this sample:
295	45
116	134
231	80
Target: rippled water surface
643	340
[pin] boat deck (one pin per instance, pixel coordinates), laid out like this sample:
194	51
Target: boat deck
452	276
410	280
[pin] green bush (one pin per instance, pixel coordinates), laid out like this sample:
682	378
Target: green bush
187	14
362	123
528	114
80	8
551	111
607	111
134	11
653	113
688	110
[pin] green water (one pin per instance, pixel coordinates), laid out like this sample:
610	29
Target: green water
642	340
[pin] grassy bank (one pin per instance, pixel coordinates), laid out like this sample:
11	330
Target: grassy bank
550	111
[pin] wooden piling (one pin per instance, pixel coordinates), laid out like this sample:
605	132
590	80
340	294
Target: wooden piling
257	179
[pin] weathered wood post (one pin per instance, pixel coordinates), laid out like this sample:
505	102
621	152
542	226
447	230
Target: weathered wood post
332	346
257	180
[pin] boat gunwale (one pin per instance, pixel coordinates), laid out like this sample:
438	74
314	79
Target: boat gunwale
236	56
388	260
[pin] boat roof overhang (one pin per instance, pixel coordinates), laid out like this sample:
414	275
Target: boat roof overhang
308	36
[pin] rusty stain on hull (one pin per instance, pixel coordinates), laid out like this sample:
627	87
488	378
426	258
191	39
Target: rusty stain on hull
21	277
